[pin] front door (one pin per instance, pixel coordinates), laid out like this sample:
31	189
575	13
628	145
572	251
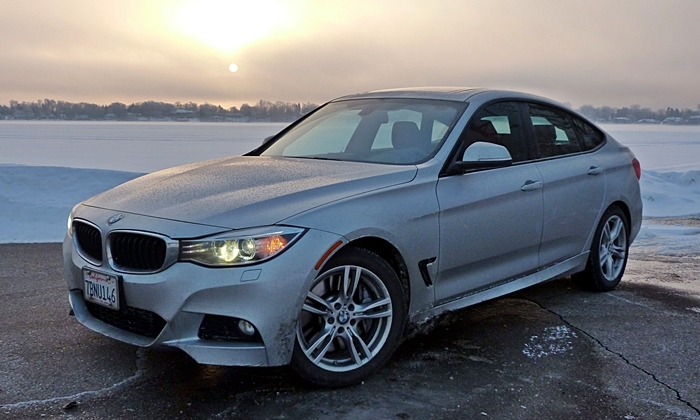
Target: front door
490	220
490	228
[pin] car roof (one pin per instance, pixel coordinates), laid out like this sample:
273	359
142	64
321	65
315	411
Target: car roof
447	93
459	94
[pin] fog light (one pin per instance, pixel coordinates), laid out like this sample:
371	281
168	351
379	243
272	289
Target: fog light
246	327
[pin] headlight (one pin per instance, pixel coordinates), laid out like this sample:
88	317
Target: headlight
241	247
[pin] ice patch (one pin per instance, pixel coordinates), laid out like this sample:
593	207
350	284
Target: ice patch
668	239
553	340
74	398
651	230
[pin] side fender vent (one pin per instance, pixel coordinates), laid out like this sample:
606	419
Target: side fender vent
424	272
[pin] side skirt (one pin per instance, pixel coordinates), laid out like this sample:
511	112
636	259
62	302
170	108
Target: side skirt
562	269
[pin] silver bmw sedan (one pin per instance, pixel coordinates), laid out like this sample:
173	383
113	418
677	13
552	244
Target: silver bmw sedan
353	226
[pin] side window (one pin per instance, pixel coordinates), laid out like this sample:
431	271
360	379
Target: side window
553	132
591	137
498	123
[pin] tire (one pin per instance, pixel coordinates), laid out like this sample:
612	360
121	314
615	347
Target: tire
609	251
351	321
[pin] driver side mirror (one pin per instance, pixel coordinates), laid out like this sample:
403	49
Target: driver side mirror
483	155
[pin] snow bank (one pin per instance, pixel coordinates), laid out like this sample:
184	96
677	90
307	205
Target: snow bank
35	200
667	194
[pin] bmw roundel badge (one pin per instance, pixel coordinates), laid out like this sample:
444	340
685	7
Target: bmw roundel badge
114	219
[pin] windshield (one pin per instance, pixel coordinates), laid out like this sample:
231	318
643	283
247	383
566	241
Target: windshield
398	131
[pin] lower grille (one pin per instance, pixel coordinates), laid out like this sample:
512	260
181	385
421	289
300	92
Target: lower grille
136	252
89	240
137	321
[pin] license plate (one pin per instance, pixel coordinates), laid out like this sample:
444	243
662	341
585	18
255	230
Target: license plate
101	288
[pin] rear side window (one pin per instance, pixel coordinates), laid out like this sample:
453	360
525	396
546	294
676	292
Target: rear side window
553	131
590	137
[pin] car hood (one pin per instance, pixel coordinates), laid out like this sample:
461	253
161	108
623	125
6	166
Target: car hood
246	191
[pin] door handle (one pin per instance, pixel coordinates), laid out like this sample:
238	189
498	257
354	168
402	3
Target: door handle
531	185
595	170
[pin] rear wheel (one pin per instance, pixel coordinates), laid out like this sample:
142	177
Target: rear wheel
351	321
608	257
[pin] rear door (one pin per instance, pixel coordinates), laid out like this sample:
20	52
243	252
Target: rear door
574	183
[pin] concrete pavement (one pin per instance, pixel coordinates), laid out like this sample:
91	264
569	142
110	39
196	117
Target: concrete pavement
550	352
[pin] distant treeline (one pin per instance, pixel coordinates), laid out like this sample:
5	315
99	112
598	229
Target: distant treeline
637	114
49	109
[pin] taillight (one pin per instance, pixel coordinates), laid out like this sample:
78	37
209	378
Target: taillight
637	168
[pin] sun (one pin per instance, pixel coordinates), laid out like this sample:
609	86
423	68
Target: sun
227	25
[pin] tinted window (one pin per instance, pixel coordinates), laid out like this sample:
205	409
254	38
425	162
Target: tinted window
497	123
591	137
553	131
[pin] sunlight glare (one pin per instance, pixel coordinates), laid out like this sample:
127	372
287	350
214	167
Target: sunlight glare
227	25
233	68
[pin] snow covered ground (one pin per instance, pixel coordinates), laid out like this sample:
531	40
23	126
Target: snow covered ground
47	167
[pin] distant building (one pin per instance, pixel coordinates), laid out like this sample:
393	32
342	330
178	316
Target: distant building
235	117
648	121
184	115
23	114
673	120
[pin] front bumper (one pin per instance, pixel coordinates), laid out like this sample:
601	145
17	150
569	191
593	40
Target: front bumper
268	295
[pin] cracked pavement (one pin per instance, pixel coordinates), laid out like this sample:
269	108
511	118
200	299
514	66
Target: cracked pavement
552	351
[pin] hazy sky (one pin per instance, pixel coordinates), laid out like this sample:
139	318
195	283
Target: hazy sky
600	52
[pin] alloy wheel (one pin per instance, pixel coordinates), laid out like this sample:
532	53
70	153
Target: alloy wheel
346	319
613	248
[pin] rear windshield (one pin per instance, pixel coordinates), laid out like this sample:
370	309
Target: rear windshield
398	131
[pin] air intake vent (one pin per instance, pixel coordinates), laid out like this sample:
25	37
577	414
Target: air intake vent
137	321
136	252
89	241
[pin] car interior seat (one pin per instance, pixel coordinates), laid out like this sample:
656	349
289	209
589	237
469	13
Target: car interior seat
546	137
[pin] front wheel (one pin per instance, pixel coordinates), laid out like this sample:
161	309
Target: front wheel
351	320
608	257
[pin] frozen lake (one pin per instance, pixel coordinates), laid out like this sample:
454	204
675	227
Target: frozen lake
150	146
47	167
126	146
660	147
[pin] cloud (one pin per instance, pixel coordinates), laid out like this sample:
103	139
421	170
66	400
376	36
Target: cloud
595	51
